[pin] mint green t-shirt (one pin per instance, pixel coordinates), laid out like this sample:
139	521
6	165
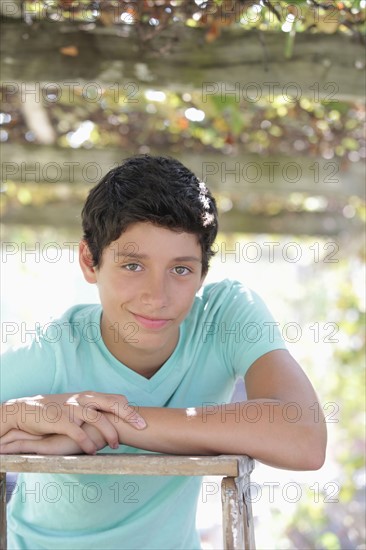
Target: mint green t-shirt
227	329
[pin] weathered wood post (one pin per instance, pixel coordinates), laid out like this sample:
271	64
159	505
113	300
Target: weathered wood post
3	542
237	517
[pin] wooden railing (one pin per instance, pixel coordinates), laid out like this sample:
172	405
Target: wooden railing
237	519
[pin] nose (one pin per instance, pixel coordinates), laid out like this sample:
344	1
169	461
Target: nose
155	292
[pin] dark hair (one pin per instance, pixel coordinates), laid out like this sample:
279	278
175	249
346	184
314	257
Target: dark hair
144	188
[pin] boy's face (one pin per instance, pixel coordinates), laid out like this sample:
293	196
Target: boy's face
147	282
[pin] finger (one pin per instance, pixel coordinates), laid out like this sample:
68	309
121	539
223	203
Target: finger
89	415
21	446
8	449
14	435
111	403
56	445
44	446
78	435
105	427
95	435
132	417
70	427
128	412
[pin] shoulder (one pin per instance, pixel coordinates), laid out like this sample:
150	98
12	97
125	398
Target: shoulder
81	313
45	355
230	303
76	323
68	328
226	294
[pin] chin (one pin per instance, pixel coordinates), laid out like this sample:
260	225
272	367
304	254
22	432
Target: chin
150	343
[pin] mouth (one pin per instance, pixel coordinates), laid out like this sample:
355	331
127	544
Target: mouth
151	322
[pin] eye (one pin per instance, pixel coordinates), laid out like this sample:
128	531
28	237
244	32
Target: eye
181	270
132	267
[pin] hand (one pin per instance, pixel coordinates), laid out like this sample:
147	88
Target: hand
19	442
65	413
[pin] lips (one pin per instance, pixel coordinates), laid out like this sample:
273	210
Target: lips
150	322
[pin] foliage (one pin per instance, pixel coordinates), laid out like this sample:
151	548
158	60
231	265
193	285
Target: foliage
151	17
161	119
337	294
144	121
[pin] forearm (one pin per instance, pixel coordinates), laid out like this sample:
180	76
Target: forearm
65	413
262	429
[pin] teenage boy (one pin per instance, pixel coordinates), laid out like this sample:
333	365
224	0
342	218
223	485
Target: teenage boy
149	227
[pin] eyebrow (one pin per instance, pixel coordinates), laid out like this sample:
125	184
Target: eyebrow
137	256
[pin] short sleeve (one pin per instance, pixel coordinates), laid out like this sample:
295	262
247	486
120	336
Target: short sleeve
27	370
247	329
260	333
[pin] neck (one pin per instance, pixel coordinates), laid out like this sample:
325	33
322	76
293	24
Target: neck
145	362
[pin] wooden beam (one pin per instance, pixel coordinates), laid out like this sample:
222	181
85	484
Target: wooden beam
66	215
289	223
127	464
239	64
57	180
235	176
3	518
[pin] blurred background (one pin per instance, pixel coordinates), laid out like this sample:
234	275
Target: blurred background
265	102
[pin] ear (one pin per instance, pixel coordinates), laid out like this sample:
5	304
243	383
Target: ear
86	263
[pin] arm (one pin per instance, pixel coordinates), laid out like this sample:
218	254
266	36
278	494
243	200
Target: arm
263	427
28	376
65	413
277	424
